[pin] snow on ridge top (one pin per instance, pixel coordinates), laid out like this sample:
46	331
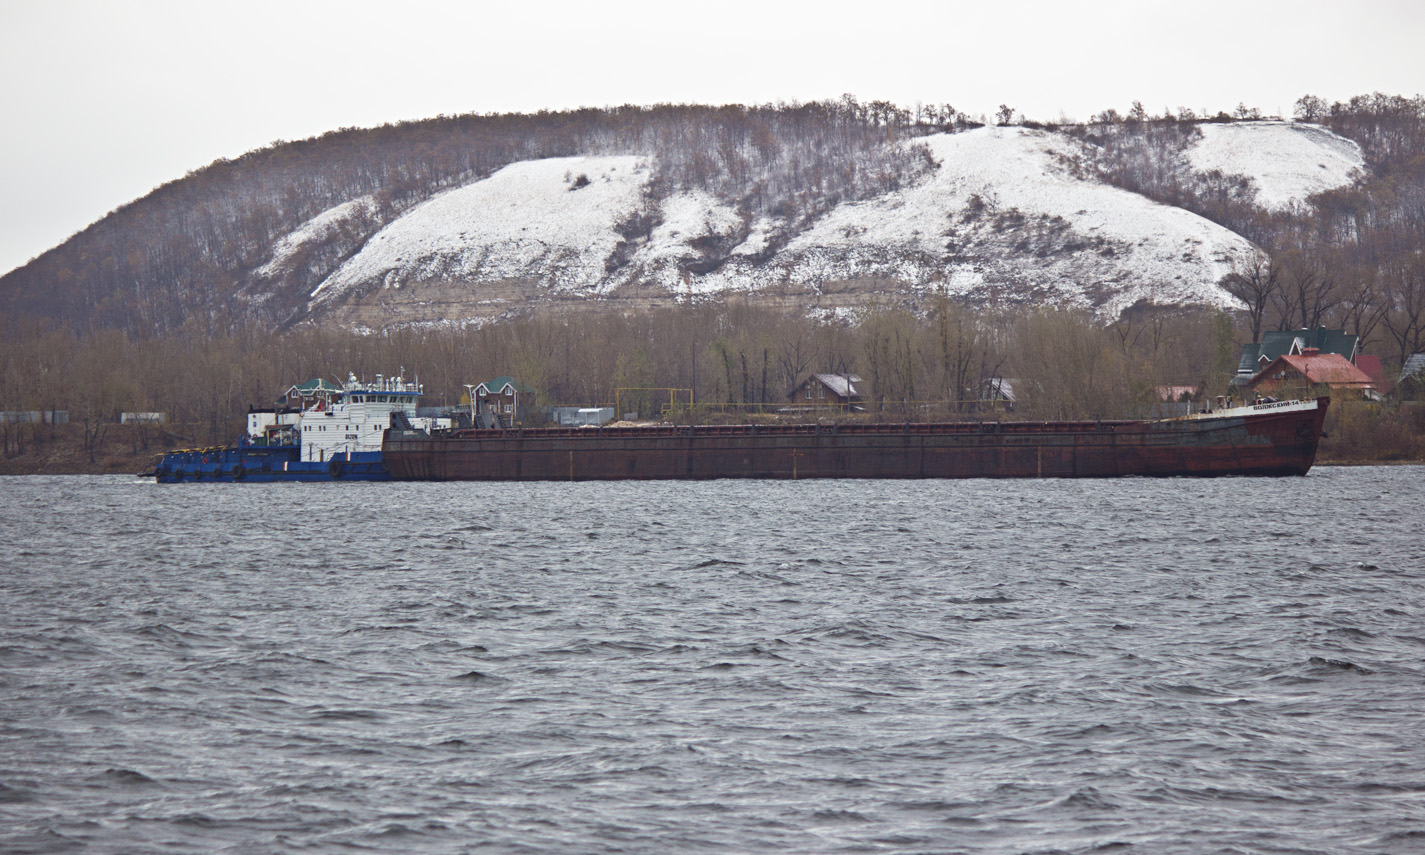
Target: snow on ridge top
1002	217
1008	168
553	219
315	229
1134	247
1288	161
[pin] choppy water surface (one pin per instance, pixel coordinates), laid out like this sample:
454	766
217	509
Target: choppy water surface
1081	666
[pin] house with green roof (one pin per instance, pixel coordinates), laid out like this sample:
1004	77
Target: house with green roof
1278	343
503	402
304	395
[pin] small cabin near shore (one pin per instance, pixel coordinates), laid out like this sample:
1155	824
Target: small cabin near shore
998	393
829	390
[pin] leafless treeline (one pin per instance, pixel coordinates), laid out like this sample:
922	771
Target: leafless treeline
178	263
1063	364
1350	259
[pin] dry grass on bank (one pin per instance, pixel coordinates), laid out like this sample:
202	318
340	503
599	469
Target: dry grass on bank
1367	432
73	449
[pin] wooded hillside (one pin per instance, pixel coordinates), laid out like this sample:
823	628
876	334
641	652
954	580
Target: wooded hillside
198	252
185	252
1354	258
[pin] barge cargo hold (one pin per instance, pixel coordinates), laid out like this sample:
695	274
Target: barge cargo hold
1278	438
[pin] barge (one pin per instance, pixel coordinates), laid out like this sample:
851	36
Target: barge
1275	438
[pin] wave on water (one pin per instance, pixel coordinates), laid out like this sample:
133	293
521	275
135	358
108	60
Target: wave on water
792	667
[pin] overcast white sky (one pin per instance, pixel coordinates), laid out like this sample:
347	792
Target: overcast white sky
103	101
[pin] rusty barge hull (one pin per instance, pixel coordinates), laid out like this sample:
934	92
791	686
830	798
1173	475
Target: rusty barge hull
1264	440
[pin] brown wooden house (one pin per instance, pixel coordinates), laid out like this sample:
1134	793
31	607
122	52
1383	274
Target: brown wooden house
503	402
829	390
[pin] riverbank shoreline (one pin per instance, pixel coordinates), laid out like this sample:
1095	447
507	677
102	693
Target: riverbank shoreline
78	449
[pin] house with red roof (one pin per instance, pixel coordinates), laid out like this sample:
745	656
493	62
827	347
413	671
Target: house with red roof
1256	356
1310	371
1376	371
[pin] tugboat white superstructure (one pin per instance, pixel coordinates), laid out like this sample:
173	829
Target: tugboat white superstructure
319	431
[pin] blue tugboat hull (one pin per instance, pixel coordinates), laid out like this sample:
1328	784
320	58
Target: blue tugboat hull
259	464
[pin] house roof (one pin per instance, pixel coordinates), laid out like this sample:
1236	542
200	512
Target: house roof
314	386
498	385
1373	368
1371	365
1331	369
1277	343
842	384
1000	387
1176	393
1248	363
1414	365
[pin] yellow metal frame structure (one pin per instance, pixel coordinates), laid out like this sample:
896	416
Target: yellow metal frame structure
672	402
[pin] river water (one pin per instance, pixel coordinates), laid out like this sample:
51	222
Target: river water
1157	666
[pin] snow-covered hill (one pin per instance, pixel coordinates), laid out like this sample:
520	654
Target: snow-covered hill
1000	218
553	220
1287	161
314	232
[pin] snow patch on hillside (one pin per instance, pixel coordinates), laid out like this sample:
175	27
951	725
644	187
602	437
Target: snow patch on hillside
552	219
759	237
1288	161
688	218
315	230
1001	217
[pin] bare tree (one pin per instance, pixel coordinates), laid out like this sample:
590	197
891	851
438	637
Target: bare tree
1308	291
1310	108
1405	318
1256	283
961	350
1070	367
1361	308
793	359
